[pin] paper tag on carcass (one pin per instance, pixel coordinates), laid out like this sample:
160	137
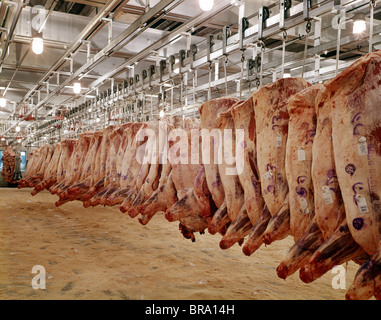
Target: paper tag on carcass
327	196
268	175
361	203
303	205
362	147
278	140
301	154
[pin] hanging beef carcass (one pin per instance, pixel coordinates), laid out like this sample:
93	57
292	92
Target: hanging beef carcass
299	162
208	114
130	167
9	165
100	166
148	153
40	163
327	241
51	171
176	192
301	133
66	158
356	134
33	156
113	159
74	172
367	281
165	196
244	119
186	168
159	168
151	164
80	187
230	168
345	243
71	169
271	123
308	105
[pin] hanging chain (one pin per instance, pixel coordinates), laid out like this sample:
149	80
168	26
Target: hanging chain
372	5
308	30
263	48
226	80
210	80
283	51
338	45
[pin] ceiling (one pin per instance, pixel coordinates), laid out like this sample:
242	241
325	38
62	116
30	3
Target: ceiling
26	79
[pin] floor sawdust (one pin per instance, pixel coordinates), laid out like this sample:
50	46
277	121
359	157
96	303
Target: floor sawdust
100	253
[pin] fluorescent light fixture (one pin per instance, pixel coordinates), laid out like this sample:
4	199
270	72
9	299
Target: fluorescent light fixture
286	75
2	139
359	24
77	88
3	102
38	45
206	5
98	120
18	129
161	114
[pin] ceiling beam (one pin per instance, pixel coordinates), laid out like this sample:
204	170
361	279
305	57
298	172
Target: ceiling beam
94	3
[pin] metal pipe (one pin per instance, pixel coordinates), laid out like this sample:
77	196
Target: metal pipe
20	5
372	4
103	53
88	31
338	46
48	15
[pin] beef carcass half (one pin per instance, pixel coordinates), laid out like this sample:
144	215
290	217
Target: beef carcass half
154	169
29	167
98	175
356	134
51	171
115	140
67	147
210	158
356	121
322	246
130	167
244	119
230	168
185	171
208	114
9	164
74	172
40	162
301	133
271	123
158	169
148	152
367	281
79	188
318	187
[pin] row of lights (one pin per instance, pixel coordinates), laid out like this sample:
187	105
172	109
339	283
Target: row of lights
38	43
359	26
